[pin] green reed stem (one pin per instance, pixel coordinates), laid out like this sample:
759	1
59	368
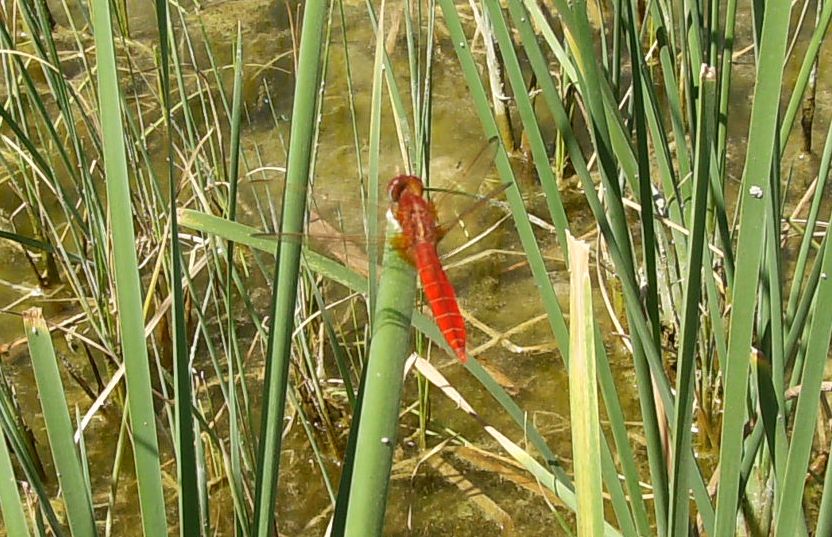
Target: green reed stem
755	187
128	288
188	497
379	410
679	507
11	504
790	509
287	270
76	494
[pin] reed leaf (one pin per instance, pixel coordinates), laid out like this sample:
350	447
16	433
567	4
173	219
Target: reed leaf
11	504
526	111
790	509
824	526
27	457
521	218
127	285
234	361
583	397
74	486
374	158
809	59
680	489
286	272
755	187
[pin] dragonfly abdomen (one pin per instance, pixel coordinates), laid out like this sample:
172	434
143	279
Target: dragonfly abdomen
441	297
417	218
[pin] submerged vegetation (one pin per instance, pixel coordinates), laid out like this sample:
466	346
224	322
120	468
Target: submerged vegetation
170	366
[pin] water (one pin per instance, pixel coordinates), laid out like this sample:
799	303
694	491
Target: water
424	500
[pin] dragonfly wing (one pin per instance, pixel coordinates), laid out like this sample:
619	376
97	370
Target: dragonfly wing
481	200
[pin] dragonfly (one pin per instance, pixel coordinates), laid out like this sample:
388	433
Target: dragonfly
420	233
417	242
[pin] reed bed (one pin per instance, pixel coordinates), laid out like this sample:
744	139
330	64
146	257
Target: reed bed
179	350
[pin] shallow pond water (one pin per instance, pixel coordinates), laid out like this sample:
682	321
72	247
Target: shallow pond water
427	499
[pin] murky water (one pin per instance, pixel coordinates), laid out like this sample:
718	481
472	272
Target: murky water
498	294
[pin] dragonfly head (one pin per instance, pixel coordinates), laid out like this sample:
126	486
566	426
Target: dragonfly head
404	183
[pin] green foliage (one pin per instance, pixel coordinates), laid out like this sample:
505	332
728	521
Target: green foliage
74	484
125	279
144	172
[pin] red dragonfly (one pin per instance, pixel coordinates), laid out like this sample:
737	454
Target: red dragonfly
417	242
420	232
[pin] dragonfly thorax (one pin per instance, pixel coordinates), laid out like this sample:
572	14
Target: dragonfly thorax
415	214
